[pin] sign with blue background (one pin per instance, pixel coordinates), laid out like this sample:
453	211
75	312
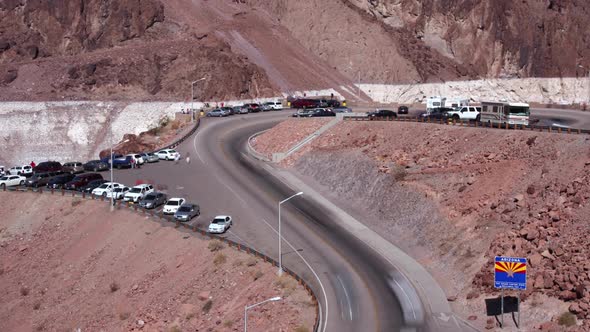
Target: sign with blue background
510	272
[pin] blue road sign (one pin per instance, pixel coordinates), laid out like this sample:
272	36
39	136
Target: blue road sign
510	272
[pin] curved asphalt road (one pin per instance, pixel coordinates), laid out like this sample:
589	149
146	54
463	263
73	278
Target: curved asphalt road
350	280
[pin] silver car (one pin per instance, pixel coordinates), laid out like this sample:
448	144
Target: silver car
153	200
187	211
150	157
73	167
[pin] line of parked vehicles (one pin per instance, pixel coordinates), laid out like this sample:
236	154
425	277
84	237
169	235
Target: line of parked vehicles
76	176
246	108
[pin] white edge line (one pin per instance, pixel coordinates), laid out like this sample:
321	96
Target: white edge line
347	297
312	271
406	294
195	146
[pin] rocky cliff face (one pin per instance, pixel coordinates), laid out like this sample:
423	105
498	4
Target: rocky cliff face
407	41
114	50
496	38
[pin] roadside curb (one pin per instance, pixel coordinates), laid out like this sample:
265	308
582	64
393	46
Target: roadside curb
160	217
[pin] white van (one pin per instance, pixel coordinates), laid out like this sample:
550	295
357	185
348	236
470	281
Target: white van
274	105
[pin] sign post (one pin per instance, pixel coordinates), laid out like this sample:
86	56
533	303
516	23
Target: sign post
510	272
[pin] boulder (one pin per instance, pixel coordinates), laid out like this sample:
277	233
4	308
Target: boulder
490	324
539	282
472	317
554	215
549	326
204	295
567	295
548	255
532	234
575	308
535	260
452	298
580	290
530	190
518	197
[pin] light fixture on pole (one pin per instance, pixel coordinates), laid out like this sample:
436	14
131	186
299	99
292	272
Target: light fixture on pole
248	307
193	97
584	68
280	272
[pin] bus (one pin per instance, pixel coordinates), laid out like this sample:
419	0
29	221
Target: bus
505	113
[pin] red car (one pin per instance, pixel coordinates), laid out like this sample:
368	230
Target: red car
305	103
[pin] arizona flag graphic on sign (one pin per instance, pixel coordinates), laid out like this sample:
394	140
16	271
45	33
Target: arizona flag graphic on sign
510	272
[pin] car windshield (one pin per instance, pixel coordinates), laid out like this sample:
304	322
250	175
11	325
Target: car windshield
135	190
150	197
516	110
218	221
104	186
4	178
174	203
185	209
172	151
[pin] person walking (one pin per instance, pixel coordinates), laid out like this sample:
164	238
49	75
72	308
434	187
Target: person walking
132	162
33	164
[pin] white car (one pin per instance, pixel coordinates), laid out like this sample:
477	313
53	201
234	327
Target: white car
12	180
21	170
471	113
274	105
220	224
172	205
138	192
118	193
137	157
168	154
105	188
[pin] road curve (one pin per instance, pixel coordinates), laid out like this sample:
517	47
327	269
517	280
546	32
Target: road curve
351	281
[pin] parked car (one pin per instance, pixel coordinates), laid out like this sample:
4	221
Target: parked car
150	157
137	157
33	181
105	188
58	182
274	105
304	113
122	162
41	179
92	185
437	114
332	103
305	103
253	107
265	108
217	113
168	154
96	166
2	170
138	192
187	211
241	110
172	205
118	193
107	159
82	180
220	224
12	180
320	112
382	114
47	166
342	109
73	167
469	113
153	200
403	110
25	170
228	110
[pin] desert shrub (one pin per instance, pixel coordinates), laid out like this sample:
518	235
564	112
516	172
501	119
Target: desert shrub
257	275
207	306
251	261
286	283
76	202
567	319
175	328
215	245
228	323
37	306
238	262
219	259
124	315
399	173
301	328
190	316
24	291
114	287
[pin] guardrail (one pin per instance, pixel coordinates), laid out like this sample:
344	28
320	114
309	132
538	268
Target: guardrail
253	151
160	216
474	124
185	136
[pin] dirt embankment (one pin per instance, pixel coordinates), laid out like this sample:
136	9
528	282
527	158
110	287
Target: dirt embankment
67	263
455	197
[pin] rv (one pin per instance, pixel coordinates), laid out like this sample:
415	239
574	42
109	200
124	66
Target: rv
505	113
434	102
456	102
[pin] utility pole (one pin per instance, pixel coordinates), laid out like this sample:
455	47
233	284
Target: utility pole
280	272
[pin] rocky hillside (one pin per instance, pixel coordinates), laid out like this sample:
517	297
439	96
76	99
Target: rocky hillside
114	50
391	41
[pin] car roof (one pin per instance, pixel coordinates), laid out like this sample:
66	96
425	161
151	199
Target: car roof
176	199
220	217
143	185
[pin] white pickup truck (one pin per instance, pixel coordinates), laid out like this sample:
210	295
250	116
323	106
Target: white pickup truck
465	113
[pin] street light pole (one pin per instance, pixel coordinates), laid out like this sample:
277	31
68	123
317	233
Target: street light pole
246	308
193	97
280	272
111	160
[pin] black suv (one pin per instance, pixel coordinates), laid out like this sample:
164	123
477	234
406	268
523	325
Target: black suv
403	110
58	182
48	166
40	179
382	114
96	166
